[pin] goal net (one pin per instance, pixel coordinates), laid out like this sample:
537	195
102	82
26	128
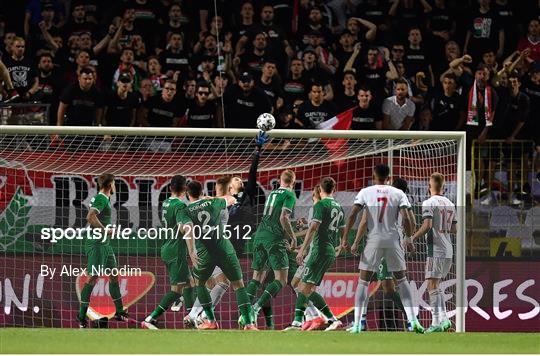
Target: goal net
48	177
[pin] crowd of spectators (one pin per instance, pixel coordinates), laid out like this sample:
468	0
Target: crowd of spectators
402	64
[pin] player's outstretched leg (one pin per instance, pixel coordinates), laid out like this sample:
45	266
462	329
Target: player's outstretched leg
166	301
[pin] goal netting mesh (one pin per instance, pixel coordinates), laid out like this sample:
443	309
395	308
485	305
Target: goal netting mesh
47	181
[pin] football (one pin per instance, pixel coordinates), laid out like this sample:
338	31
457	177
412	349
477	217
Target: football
266	122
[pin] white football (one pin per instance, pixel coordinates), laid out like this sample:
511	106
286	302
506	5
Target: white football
266	122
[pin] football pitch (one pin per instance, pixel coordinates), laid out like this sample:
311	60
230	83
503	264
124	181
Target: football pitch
13	340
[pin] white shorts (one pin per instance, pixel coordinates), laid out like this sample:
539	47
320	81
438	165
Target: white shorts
437	267
371	258
217	271
300	270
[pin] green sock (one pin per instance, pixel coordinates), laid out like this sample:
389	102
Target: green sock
114	291
268	314
252	288
244	305
164	304
206	302
397	301
320	303
272	289
300	307
189	297
85	300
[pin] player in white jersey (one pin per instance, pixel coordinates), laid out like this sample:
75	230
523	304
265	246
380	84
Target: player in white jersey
382	205
439	215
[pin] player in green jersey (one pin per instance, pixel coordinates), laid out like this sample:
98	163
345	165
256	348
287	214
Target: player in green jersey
271	241
325	230
173	251
203	218
99	252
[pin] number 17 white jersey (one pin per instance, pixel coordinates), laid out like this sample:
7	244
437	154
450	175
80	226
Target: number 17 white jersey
443	214
383	204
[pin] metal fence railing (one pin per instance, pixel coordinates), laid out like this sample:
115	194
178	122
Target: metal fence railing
24	114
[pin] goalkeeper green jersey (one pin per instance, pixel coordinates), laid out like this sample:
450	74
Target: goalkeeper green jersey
102	205
331	217
170	217
270	226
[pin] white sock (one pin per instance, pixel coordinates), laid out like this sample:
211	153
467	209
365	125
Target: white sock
217	292
360	299
196	309
364	311
311	312
442	306
404	290
434	304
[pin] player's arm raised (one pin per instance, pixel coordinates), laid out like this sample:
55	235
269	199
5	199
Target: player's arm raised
312	230
285	221
360	233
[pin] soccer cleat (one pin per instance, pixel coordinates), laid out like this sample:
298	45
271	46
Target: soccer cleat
241	322
355	329
293	327
417	327
177	305
149	324
306	324
83	323
434	329
445	325
316	324
122	316
333	325
12	96
251	327
208	325
189	322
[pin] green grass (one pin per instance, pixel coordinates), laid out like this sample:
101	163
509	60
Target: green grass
192	341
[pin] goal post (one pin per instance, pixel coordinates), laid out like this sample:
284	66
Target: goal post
50	167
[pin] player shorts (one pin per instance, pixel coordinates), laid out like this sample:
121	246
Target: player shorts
320	260
176	260
371	259
300	270
382	273
225	258
437	267
99	257
270	253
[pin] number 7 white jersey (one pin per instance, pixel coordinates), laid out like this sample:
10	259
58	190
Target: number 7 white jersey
383	204
443	214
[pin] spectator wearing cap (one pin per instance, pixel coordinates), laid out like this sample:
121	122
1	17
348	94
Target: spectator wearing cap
121	105
270	83
127	59
162	110
346	97
398	110
81	103
252	60
316	110
313	73
207	69
203	112
244	103
175	58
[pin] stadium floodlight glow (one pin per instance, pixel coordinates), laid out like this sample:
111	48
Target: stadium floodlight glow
49	175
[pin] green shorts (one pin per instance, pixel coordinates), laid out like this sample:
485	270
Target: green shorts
319	261
99	257
293	267
224	257
270	254
383	273
175	259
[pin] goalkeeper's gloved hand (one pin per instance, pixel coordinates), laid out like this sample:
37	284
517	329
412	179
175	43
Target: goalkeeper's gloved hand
262	138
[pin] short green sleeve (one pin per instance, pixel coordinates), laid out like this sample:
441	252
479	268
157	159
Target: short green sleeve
290	201
99	202
317	212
